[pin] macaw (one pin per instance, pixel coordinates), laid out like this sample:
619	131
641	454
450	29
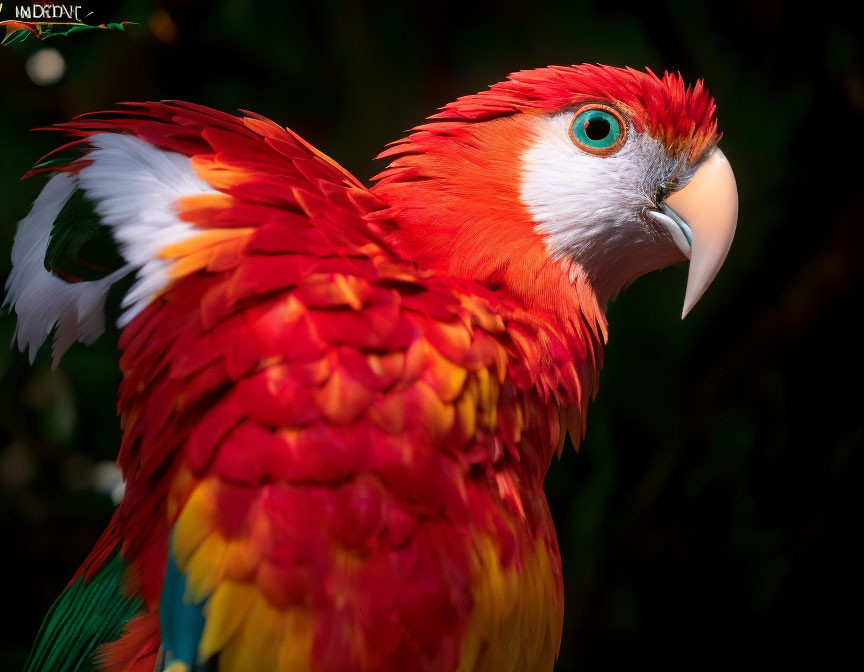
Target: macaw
339	401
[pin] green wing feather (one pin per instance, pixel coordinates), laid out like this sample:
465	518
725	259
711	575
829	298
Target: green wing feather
88	614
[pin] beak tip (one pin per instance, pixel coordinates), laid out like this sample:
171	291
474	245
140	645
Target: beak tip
688	306
697	284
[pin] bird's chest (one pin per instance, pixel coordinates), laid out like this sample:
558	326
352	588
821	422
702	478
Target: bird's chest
515	623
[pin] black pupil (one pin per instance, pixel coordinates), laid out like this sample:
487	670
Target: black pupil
597	128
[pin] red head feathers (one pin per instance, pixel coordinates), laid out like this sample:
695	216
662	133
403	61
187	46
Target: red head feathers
681	117
456	184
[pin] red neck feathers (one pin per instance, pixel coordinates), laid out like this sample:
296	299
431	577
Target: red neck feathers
453	192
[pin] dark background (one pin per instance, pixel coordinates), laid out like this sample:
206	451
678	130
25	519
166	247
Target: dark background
713	514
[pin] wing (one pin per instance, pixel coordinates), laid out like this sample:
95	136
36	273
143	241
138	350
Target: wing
324	446
114	205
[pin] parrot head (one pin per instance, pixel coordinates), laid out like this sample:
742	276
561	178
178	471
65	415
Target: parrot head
562	185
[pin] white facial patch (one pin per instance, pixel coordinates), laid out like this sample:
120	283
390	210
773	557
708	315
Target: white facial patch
591	209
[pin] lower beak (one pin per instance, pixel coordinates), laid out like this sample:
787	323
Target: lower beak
706	212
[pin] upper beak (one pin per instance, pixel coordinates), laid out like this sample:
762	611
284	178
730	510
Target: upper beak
706	210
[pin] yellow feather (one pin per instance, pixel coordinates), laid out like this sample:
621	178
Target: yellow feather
224	612
195	522
296	653
488	397
255	647
205	569
466	409
244	653
438	416
445	377
349	294
515	625
209	238
416	358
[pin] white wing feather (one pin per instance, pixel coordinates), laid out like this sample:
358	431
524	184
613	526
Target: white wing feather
135	187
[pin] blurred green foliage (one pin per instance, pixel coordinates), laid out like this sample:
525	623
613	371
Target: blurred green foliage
710	517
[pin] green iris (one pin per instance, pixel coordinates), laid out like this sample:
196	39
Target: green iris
597	129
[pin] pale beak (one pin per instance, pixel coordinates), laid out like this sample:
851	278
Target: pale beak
705	213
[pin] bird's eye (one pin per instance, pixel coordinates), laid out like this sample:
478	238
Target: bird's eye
598	129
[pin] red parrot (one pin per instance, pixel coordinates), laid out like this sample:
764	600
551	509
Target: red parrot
339	402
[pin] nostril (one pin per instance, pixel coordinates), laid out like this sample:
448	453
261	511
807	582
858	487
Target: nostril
665	190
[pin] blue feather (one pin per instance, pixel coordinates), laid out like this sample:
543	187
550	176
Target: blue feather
181	623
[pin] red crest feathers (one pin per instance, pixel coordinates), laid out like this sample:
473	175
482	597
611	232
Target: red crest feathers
682	117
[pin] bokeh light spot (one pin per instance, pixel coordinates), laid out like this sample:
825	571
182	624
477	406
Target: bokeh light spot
45	67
